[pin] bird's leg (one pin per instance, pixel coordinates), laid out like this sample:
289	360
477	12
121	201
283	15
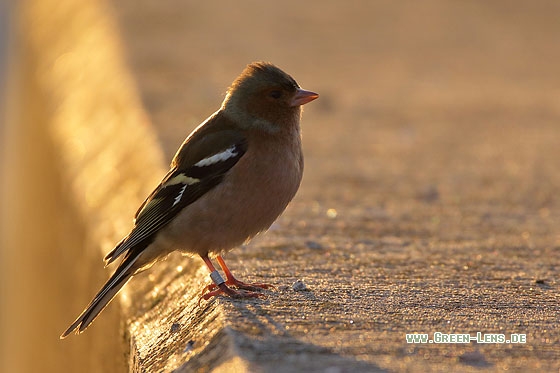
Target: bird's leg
220	286
232	281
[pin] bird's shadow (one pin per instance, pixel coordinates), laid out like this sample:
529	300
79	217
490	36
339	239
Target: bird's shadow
266	343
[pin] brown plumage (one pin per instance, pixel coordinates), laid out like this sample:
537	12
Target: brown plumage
230	179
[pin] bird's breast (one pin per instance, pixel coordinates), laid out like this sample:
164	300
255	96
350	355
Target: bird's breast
249	199
275	171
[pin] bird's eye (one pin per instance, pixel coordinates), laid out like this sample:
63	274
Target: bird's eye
276	94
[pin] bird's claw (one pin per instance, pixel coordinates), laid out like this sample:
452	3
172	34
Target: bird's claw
244	290
239	285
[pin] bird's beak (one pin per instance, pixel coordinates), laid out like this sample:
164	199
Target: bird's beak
302	97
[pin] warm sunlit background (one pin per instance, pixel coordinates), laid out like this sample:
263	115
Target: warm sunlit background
451	104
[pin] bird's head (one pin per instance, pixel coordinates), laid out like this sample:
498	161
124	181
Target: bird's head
266	93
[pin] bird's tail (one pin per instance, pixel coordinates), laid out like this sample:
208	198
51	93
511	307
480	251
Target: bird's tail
122	274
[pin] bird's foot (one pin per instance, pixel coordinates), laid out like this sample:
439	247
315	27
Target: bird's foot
239	285
222	289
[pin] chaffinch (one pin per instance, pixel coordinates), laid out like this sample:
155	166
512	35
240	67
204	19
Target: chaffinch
230	179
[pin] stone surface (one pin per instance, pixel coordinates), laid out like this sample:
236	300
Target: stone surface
430	196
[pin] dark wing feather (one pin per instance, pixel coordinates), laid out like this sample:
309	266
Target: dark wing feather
175	193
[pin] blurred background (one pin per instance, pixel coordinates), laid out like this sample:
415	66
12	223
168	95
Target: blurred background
438	121
437	90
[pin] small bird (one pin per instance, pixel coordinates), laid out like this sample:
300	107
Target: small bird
230	179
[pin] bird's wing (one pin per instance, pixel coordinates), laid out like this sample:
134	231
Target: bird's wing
200	165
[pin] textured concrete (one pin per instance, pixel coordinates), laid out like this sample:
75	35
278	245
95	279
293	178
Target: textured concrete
430	200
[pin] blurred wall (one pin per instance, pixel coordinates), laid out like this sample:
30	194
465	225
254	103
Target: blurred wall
69	183
5	12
